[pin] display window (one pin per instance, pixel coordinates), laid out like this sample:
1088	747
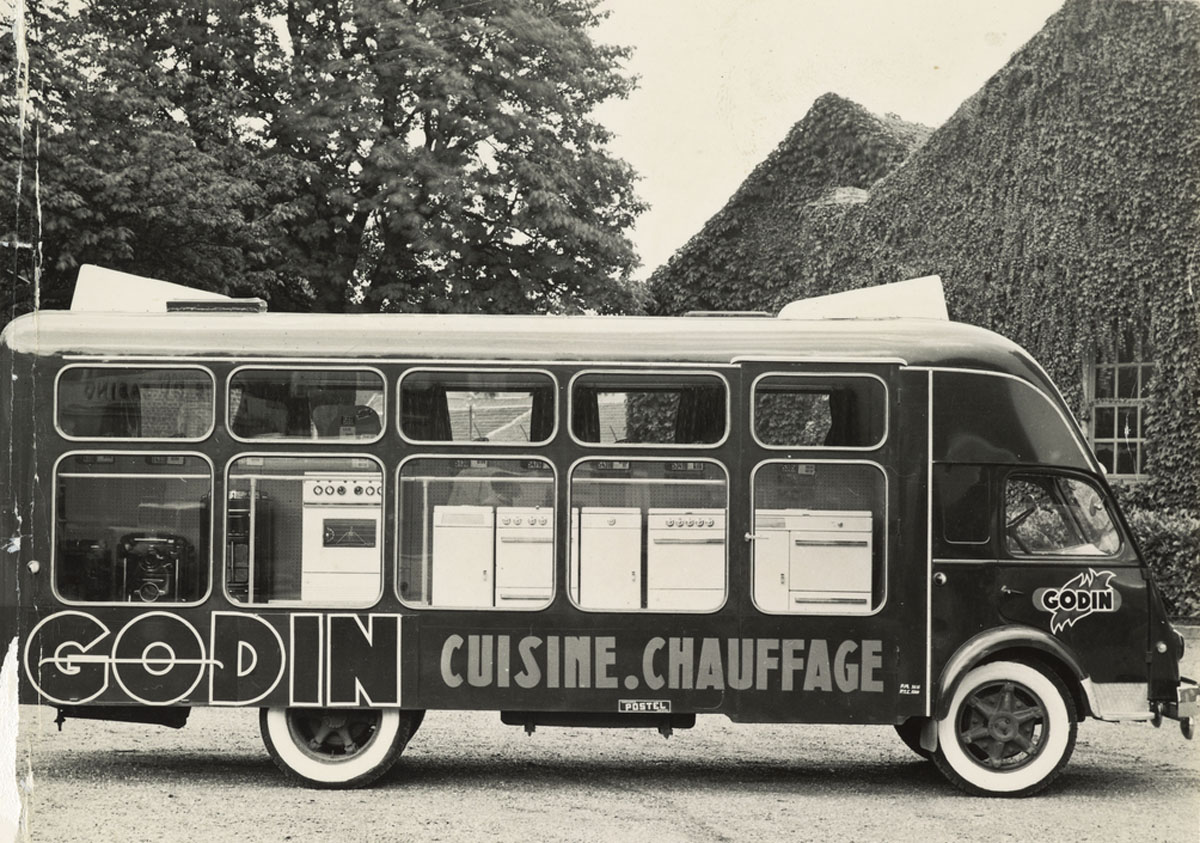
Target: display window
304	529
134	402
819	411
132	528
476	533
819	537
500	407
339	405
666	408
649	535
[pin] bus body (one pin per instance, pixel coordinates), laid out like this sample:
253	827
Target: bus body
347	520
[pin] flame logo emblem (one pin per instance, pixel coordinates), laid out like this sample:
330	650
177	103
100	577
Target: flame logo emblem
1086	593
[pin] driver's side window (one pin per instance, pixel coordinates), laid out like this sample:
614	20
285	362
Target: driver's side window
1056	515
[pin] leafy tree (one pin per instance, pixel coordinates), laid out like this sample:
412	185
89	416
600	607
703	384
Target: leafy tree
127	176
423	155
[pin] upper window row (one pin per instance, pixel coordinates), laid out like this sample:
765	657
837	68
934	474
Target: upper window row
673	408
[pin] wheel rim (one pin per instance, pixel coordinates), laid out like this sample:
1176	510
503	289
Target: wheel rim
1003	726
333	735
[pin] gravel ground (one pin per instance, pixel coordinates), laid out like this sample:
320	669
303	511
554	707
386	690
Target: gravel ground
466	777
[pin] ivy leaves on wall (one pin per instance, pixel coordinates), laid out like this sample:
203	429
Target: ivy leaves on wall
1060	204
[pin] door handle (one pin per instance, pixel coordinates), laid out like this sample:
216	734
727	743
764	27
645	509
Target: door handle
1004	589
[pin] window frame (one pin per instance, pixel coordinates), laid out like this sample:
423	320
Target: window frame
1117	556
884	556
203	564
294	440
1142	361
728	579
382	533
474	370
212	410
649	372
399	527
800	375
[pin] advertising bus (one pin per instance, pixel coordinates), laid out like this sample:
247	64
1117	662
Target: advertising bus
348	520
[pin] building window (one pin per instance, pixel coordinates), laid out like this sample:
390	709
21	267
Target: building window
1118	388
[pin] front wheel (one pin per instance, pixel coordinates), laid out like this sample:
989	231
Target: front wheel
335	747
1010	730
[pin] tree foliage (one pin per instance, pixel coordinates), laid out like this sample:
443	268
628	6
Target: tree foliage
421	155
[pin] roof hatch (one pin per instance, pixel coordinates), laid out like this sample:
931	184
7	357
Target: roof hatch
919	298
99	289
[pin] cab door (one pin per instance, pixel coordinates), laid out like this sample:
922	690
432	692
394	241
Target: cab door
1065	567
1024	534
1042	548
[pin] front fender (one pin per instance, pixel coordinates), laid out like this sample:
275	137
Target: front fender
1009	637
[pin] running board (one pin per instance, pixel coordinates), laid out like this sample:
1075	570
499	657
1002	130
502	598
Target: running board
665	723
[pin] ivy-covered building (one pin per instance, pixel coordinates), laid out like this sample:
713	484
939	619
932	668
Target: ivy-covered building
1060	205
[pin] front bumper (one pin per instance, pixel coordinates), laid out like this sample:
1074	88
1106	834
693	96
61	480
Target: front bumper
1185	708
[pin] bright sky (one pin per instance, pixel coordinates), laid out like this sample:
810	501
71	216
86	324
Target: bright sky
722	81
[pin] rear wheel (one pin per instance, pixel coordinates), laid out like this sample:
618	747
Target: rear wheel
1010	730
335	747
910	732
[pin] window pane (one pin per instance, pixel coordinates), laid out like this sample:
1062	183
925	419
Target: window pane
1127	423
1127	381
1094	517
306	404
304	529
964	503
819	538
1147	375
132	528
135	403
819	412
667	408
1053	515
1106	454
648	535
1106	422
477	533
1105	382
454	406
1127	461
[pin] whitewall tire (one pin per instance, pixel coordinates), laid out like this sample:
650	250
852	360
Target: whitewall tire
1009	732
335	747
